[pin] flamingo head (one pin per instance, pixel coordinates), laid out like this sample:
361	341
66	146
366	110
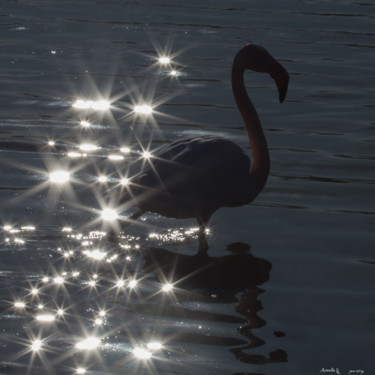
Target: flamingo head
258	59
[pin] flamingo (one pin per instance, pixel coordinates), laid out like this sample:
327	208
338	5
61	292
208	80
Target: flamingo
195	176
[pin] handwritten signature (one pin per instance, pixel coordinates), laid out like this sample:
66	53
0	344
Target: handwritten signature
336	370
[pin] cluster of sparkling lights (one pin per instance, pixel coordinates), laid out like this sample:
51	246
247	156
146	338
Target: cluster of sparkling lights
176	235
89	151
49	300
86	149
61	176
40	302
167	61
14	232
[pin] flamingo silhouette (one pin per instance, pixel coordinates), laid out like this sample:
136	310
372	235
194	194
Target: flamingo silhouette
193	177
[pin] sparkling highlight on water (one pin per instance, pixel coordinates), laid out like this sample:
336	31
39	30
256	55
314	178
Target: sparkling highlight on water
143	109
109	215
142	353
59	177
99	105
36	345
45	318
89	343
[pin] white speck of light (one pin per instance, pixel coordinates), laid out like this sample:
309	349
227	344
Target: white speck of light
89	343
154	345
109	215
125	150
74	154
36	345
67	229
146	154
115	157
173	73
88	147
58	280
102	179
82	104
59	177
7	228
19	304
143	109
120	283
124	181
60	312
28	228
167	287
95	254
98	321
85	123
34	291
80	370
132	283
102	313
142	353
164	60
45	318
51	143
100	105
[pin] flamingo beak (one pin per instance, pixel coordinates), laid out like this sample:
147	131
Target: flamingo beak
281	78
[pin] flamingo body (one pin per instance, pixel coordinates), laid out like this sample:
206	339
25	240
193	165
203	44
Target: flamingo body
193	177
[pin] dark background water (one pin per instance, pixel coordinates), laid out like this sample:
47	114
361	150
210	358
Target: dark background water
314	221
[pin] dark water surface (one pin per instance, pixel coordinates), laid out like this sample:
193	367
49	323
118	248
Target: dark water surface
301	301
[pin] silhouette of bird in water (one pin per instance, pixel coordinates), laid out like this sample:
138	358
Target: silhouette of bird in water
195	176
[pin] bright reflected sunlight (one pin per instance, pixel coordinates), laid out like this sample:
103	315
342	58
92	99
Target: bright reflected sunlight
59	176
99	105
91	267
109	214
143	109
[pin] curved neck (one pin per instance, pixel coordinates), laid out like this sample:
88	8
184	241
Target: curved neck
260	167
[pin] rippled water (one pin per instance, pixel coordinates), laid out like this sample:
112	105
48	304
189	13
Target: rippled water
72	301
